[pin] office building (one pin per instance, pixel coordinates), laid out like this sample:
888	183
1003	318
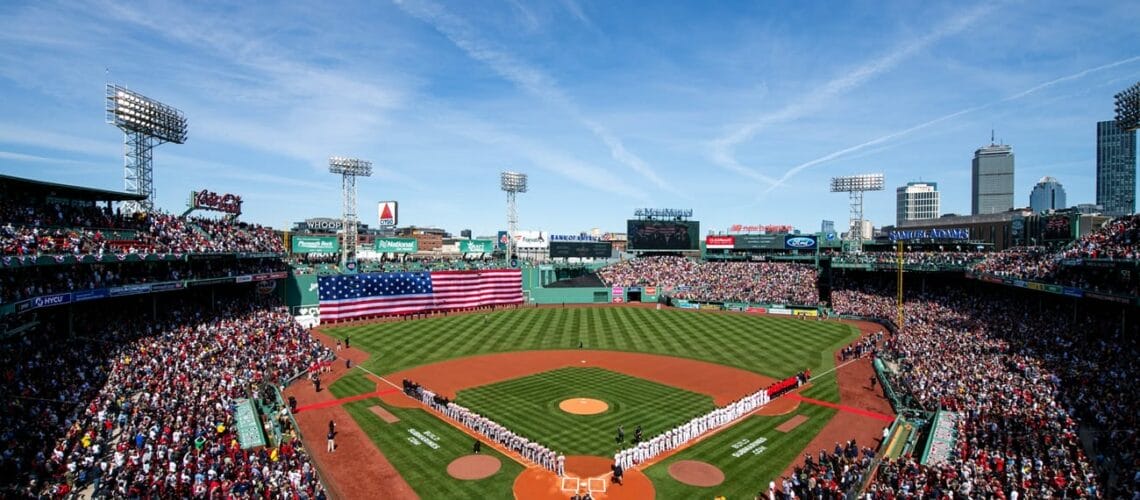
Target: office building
1115	169
917	201
827	226
992	179
1047	195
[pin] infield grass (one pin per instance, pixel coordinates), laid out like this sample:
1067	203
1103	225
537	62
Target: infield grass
776	347
632	402
421	465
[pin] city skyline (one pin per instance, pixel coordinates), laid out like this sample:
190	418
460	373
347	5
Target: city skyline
740	111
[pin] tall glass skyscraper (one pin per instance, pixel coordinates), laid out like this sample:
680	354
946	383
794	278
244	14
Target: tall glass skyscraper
992	180
1048	194
1115	169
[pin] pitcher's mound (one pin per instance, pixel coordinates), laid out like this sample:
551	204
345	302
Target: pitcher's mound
583	406
472	467
694	473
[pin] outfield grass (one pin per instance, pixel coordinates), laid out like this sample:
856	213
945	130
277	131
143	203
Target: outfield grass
423	467
749	473
776	347
531	405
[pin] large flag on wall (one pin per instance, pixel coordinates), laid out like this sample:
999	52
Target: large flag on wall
347	296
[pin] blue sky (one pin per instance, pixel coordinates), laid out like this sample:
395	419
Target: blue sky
741	111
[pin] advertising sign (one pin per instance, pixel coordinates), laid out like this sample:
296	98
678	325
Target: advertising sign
758	241
960	233
663	235
324	224
572	237
618	294
396	245
476	246
582	249
504	239
759	228
793	242
129	290
208	200
715	242
82	295
167	287
315	244
532	239
389	215
650	290
57	299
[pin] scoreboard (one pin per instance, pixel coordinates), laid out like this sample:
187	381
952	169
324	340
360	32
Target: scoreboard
583	249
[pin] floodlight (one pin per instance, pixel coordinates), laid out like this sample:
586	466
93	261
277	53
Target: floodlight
349	169
855	186
1128	108
513	183
145	123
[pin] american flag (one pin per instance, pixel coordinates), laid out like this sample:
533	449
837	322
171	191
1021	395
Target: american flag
349	296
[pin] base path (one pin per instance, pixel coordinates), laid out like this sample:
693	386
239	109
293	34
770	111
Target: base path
865	425
724	383
583	406
356	469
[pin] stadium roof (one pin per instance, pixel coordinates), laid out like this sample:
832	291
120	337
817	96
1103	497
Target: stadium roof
68	191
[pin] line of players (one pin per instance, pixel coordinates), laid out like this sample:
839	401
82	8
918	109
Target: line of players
532	451
678	436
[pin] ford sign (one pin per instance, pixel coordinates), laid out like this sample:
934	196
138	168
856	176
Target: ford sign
799	242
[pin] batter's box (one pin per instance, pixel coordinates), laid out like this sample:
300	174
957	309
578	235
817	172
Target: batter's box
573	481
597	485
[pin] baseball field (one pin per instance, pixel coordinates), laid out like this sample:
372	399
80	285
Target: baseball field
527	369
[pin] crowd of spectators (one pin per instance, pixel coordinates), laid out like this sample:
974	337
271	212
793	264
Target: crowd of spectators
828	476
1118	239
932	259
1021	380
754	282
25	282
28	228
135	408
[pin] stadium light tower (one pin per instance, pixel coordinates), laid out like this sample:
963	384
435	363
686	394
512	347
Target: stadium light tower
513	183
855	186
145	123
349	169
1128	108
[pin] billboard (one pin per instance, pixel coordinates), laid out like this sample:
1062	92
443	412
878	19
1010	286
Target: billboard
532	239
315	244
208	200
663	235
715	242
759	241
476	246
794	242
957	233
584	249
504	239
324	224
760	228
1058	227
388	213
396	245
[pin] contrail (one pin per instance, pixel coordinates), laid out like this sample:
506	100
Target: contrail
1032	90
527	78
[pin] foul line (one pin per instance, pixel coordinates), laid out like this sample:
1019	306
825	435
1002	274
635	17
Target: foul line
338	402
848	409
382	379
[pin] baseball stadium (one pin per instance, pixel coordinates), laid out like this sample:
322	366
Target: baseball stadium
155	349
158	355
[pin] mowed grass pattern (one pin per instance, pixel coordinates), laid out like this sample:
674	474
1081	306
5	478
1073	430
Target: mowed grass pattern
424	468
776	347
747	474
531	405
